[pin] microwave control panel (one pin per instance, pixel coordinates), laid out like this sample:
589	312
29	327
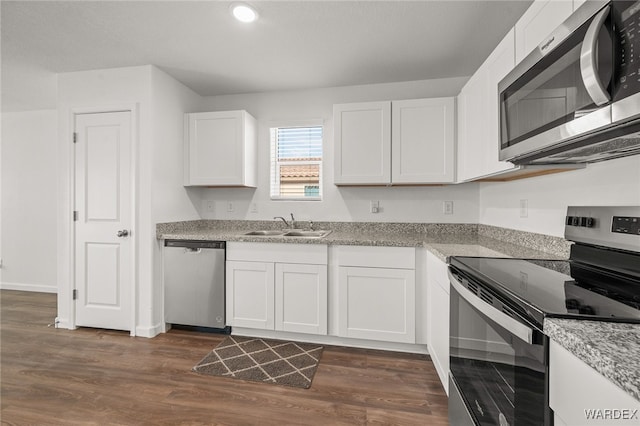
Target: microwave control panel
627	15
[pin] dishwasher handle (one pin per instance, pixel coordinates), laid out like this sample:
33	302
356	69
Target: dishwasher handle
196	244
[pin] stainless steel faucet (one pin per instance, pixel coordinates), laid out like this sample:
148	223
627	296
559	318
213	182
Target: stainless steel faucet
287	224
282	219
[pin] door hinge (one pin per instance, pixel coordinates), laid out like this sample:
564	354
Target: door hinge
75	137
75	215
75	294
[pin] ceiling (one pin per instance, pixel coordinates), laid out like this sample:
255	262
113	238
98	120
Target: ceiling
294	45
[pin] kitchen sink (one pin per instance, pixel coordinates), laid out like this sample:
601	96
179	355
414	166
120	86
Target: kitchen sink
271	232
308	234
290	233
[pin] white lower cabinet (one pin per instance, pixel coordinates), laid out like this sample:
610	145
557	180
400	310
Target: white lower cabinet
250	294
277	287
376	293
438	317
301	296
577	391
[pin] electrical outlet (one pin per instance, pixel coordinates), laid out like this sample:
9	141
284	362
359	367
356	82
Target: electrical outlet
374	206
209	206
524	208
447	207
229	206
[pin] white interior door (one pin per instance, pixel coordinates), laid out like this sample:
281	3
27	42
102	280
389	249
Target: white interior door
103	242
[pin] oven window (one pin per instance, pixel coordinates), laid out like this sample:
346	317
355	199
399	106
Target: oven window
552	93
501	378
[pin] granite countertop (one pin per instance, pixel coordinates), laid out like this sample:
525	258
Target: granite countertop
443	240
612	349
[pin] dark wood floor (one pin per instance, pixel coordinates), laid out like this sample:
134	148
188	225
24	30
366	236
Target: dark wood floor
87	376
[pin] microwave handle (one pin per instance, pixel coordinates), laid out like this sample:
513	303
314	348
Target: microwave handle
588	56
514	327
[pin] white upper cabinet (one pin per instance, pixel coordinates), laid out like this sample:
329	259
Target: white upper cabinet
537	23
220	149
479	118
399	142
471	128
496	67
422	135
362	138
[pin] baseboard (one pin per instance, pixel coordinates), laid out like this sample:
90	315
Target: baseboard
149	331
331	340
29	287
63	323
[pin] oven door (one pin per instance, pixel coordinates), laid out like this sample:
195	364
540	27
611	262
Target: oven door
497	361
562	90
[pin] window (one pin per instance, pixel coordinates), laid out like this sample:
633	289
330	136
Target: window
296	163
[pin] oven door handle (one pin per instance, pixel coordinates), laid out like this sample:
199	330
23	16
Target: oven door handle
513	326
588	57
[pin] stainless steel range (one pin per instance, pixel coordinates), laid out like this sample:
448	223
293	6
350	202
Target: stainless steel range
498	351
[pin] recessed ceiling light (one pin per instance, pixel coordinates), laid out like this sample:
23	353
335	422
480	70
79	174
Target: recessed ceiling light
243	12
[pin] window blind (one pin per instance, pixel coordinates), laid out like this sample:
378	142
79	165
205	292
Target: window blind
296	162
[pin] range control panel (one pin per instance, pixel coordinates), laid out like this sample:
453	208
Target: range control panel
626	225
616	227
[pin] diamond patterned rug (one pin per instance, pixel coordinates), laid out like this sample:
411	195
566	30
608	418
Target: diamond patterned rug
262	360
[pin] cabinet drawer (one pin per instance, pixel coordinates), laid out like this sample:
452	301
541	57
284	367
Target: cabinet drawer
377	257
277	252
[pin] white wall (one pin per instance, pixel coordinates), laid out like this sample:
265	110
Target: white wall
170	200
410	204
102	90
609	183
158	103
29	207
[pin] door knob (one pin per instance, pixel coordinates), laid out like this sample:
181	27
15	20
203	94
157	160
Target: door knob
123	233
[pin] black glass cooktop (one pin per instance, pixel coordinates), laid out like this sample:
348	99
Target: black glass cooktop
547	288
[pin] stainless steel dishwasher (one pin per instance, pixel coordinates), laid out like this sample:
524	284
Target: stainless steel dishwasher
194	283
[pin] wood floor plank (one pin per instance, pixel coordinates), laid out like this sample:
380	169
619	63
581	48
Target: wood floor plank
89	376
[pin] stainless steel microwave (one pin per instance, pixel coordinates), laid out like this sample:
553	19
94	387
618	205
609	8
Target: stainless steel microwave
576	98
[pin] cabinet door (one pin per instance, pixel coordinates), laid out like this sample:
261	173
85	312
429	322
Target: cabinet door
250	294
301	298
377	304
362	138
422	141
471	128
537	23
220	149
438	317
479	118
575	388
497	66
